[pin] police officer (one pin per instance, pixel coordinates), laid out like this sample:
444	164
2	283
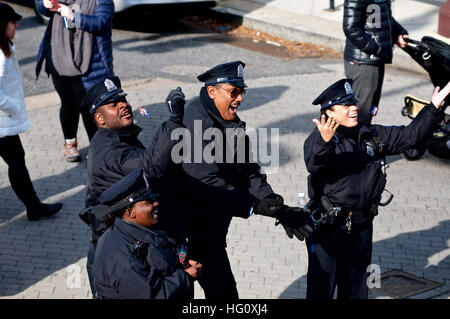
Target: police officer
345	161
115	150
225	186
133	258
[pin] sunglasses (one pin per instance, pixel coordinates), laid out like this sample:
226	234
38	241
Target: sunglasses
235	92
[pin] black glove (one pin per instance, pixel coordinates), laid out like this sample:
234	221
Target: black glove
295	221
269	206
175	101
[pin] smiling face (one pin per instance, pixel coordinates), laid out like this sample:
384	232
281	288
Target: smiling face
227	99
346	114
144	213
115	115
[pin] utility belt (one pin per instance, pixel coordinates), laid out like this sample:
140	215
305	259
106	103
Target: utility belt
326	213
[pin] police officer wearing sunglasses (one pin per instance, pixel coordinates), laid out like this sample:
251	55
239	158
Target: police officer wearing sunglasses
220	190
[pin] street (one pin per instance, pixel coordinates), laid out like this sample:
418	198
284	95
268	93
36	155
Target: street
46	259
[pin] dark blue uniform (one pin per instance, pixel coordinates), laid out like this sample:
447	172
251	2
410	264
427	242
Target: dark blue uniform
153	273
115	153
348	170
134	259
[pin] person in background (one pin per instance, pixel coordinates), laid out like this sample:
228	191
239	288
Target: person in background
371	32
14	119
77	50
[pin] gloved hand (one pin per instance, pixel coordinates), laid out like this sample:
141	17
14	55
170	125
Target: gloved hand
269	206
294	221
175	101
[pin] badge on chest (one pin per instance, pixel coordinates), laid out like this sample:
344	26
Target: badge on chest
369	148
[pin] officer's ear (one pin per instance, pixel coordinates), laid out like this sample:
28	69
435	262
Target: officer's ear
211	91
129	212
98	118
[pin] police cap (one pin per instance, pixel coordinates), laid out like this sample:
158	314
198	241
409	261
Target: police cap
131	189
339	92
103	92
8	14
230	73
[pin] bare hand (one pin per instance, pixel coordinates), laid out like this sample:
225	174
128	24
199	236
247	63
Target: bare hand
328	128
48	4
401	40
440	95
65	11
194	268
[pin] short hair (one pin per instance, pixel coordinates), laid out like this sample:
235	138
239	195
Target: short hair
111	216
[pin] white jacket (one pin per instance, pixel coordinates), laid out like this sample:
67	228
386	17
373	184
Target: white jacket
13	115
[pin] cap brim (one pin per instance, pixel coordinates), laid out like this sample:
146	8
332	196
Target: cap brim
239	84
108	100
16	17
349	101
112	98
352	99
148	195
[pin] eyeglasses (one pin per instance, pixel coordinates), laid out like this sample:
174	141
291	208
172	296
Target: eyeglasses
235	92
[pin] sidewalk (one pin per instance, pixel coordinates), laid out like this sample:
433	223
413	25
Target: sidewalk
310	21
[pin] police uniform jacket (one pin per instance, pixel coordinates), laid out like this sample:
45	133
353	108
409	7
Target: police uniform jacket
347	169
366	41
116	153
218	191
151	271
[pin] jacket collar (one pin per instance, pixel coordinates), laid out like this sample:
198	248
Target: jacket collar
131	131
356	133
140	233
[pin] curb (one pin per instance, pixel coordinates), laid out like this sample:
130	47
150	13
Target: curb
400	61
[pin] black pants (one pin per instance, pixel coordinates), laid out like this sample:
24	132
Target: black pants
89	265
336	258
217	280
71	92
367	85
12	152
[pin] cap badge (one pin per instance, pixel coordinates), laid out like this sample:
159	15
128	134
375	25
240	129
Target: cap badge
240	71
110	86
348	88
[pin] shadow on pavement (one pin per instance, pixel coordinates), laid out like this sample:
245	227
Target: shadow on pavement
31	251
429	262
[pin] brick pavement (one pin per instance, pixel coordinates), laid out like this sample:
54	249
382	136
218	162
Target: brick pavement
42	259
